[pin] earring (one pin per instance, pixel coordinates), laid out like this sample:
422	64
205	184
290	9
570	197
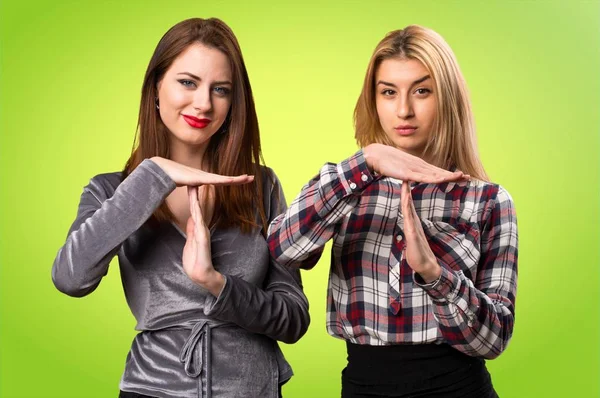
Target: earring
156	102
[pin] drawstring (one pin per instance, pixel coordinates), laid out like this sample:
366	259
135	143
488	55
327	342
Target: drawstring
197	339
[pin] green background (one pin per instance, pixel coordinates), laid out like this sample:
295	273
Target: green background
70	79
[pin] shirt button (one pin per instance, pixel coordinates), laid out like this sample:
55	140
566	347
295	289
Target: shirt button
364	177
352	185
398	238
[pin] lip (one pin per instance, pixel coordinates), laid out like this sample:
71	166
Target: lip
405	129
195	122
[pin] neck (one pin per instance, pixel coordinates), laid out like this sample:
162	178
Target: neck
192	156
419	154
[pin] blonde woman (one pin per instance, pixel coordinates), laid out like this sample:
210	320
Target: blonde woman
424	261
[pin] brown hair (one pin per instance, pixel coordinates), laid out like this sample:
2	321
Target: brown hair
233	150
454	142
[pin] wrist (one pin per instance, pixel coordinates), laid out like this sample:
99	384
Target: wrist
212	281
369	155
167	167
158	160
431	273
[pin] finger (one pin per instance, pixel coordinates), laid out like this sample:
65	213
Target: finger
403	195
421	171
410	208
436	172
196	211
189	228
193	198
458	176
216	179
422	177
200	197
413	211
413	226
436	177
192	193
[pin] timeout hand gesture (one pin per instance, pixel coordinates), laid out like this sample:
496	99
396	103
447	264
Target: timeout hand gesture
392	162
418	254
185	175
196	257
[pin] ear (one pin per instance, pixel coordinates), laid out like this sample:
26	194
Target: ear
158	86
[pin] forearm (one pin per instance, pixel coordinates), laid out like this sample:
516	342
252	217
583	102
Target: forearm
102	224
473	322
297	237
280	311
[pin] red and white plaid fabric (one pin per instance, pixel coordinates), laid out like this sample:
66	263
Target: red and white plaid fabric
374	297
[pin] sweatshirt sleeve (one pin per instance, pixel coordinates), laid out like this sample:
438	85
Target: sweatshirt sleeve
108	214
278	309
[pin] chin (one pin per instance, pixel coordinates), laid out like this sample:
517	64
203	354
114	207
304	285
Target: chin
193	139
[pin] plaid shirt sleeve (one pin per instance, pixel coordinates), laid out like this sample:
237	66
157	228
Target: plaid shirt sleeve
297	237
477	318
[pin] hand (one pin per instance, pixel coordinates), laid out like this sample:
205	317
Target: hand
417	253
196	257
185	175
393	162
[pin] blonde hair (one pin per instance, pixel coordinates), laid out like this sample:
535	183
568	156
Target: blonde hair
454	142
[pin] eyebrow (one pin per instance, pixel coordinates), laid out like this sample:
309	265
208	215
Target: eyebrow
421	80
197	78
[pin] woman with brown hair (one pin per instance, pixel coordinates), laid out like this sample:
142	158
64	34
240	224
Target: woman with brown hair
209	302
423	275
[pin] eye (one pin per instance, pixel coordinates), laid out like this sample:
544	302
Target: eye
422	91
387	92
187	83
222	91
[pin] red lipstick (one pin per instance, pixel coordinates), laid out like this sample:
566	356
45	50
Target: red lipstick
195	122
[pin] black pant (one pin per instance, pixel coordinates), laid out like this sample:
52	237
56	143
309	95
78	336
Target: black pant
411	371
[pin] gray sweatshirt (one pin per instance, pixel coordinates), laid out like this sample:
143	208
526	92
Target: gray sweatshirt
191	344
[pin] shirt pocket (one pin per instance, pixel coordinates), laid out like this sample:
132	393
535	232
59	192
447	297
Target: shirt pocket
456	245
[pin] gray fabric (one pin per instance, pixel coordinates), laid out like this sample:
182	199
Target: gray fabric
191	344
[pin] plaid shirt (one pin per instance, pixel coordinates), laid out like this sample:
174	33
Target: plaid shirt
373	296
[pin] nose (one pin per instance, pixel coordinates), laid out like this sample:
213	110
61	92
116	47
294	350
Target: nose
404	108
202	100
